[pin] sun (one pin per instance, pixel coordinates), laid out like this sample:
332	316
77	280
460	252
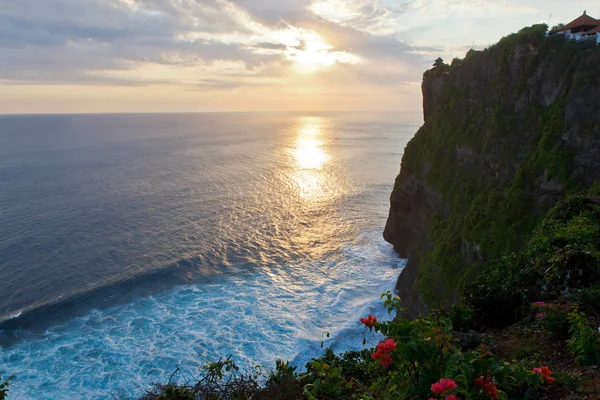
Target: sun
311	53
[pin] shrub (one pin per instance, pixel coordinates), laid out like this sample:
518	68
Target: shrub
585	341
219	381
423	360
588	298
461	317
4	385
553	317
562	255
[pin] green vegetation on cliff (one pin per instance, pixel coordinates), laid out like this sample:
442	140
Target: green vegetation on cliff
503	141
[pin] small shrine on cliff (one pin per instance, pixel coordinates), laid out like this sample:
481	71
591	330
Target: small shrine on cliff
582	28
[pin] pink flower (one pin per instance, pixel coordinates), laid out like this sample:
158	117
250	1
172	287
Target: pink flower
444	385
451	397
438	388
449	384
539	303
540	316
537	370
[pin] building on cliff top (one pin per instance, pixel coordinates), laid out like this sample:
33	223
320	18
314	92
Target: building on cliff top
582	28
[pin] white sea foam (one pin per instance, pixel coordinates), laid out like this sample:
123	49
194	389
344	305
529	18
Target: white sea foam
13	316
256	317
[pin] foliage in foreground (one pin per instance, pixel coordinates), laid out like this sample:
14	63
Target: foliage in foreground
418	359
4	384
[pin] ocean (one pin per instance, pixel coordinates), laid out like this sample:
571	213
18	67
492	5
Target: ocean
135	244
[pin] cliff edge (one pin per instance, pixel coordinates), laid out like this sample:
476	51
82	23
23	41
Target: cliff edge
509	131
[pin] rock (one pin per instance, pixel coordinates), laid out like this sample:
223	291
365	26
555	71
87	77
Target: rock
507	132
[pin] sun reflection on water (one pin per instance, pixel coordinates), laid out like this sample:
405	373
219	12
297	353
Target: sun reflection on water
308	150
310	156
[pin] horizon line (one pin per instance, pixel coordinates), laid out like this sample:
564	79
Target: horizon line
203	112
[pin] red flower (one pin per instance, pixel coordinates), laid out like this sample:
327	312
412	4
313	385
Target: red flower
546	372
451	397
384	349
437	388
448	383
387	345
486	384
444	385
369	321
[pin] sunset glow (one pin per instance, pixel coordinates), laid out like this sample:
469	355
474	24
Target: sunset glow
260	55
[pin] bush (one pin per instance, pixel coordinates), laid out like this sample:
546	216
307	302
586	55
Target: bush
220	380
4	384
461	317
553	318
585	341
562	255
588	298
421	359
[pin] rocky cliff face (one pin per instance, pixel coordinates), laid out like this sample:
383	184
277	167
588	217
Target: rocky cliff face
508	132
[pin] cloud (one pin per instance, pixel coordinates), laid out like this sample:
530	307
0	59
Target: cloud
271	46
238	48
77	40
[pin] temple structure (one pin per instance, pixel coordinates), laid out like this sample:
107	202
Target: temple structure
582	28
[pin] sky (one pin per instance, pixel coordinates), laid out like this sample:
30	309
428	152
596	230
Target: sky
86	56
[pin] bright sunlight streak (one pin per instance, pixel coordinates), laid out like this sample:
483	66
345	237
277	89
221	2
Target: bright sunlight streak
309	152
310	156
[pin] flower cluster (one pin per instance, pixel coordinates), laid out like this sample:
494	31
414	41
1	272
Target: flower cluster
384	351
369	321
444	386
546	372
488	387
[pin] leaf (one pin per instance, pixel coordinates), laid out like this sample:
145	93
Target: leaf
462	379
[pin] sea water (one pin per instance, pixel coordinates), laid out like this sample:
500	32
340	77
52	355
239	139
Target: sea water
133	245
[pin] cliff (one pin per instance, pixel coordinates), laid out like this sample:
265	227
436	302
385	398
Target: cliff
508	132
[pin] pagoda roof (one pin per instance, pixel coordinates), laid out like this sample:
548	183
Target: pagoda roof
593	31
583	20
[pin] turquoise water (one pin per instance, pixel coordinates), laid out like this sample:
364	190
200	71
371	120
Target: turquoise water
134	244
